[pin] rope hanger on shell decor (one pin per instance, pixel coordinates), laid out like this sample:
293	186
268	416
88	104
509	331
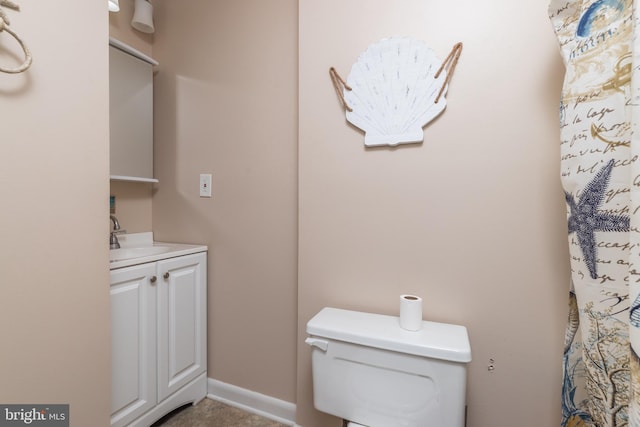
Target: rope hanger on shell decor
395	88
4	28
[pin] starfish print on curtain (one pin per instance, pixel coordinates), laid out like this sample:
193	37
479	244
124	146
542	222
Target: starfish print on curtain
600	174
585	218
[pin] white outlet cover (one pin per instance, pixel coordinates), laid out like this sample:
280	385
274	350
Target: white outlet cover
205	185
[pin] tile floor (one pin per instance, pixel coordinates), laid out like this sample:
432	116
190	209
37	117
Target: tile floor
211	413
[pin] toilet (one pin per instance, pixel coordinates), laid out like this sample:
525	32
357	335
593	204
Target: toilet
370	372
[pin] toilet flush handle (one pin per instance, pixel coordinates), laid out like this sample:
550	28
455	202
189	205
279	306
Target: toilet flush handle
317	342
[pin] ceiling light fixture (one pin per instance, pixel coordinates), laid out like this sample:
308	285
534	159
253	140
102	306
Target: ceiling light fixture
114	6
143	16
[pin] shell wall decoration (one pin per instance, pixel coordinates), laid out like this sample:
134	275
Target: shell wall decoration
4	28
394	89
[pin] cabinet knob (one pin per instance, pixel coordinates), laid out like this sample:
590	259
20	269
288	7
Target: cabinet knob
166	275
153	279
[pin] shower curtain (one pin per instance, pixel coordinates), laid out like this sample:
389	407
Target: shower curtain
600	173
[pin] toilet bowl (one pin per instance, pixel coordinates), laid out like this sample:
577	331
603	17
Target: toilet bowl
369	371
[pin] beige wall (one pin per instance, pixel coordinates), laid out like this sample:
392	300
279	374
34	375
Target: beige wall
472	219
225	104
133	205
54	298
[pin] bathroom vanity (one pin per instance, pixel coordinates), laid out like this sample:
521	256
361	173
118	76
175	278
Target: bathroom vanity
158	328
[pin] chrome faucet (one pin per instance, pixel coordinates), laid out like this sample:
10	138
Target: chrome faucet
113	239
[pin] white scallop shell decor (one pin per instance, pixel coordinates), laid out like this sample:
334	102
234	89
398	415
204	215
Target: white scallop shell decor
393	91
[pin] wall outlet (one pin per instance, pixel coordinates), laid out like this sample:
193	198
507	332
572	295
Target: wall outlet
205	185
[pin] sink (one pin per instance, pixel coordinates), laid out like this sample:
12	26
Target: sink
136	252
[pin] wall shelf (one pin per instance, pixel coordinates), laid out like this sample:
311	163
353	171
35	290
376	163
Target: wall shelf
132	178
131	51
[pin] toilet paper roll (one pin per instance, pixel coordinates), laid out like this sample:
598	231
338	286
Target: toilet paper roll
410	312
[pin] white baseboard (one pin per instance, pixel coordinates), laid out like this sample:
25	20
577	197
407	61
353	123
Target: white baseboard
266	406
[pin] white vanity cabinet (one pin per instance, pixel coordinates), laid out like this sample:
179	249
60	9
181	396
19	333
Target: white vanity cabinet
158	338
182	306
133	342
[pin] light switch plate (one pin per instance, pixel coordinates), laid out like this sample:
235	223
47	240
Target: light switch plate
205	185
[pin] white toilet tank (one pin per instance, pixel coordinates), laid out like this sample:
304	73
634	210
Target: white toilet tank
368	370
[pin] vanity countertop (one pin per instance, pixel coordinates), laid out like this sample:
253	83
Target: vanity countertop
140	248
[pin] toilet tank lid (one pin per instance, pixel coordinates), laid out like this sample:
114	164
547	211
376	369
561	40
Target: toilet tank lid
436	340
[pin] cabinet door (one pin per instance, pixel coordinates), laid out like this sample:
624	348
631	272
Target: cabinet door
130	115
182	303
133	343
